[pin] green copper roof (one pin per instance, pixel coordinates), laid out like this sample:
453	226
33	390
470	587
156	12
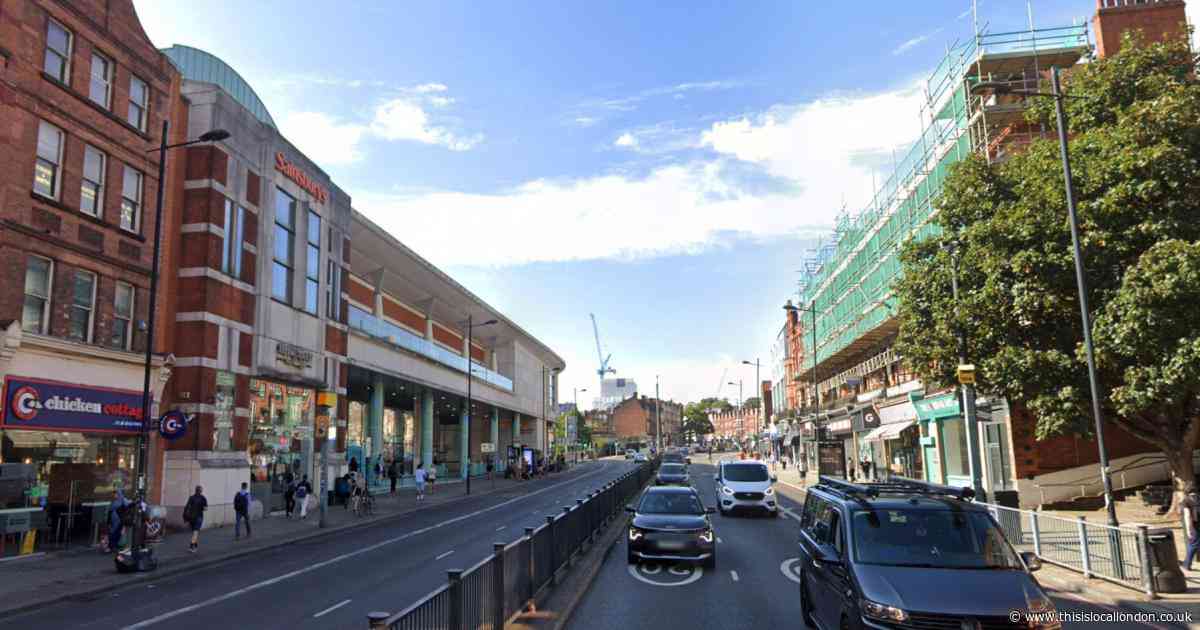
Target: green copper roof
198	65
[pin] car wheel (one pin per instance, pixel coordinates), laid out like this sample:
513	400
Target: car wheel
806	616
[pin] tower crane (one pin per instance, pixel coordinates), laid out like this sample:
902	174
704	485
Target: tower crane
604	369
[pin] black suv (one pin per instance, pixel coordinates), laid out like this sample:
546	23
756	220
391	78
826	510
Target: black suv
907	554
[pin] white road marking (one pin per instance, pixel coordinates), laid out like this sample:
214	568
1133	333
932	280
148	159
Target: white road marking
697	572
444	555
719	540
331	609
501	527
790	513
324	563
792	485
734	575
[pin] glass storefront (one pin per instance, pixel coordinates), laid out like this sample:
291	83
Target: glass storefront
954	445
280	445
43	468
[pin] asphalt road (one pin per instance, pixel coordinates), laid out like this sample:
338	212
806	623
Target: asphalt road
753	585
331	582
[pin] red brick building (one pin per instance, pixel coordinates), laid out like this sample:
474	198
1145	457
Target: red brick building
83	97
636	419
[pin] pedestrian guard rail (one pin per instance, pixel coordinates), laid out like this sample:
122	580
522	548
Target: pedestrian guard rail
1122	555
497	588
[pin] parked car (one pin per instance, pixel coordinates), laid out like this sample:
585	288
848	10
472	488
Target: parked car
745	486
671	524
630	453
886	555
639	457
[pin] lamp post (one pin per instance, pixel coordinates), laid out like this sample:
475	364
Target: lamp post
741	419
471	325
968	389
657	418
811	310
579	416
140	556
1080	273
758	385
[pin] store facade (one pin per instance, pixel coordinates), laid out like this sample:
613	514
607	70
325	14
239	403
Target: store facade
897	439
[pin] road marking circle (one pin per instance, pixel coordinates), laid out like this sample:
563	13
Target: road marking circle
677	570
693	573
791	569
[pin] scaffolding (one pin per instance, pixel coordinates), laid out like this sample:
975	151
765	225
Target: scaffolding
848	277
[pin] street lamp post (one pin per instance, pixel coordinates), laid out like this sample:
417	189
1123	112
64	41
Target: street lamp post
968	390
758	385
657	418
579	416
471	325
741	417
141	556
1080	273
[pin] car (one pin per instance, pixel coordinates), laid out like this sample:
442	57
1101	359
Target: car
885	555
745	486
671	524
684	451
639	457
674	457
630	453
672	475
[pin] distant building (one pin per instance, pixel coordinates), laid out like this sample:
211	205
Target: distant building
635	419
615	390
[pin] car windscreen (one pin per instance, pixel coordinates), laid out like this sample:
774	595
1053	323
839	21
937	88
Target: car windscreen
670	503
950	539
672	469
672	457
745	472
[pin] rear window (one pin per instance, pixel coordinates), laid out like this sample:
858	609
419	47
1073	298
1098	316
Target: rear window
671	469
745	472
670	503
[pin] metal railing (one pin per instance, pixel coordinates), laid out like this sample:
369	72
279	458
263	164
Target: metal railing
1117	554
491	593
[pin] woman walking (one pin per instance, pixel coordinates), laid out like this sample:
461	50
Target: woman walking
419	476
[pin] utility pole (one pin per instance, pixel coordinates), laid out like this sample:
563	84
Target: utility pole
968	389
657	417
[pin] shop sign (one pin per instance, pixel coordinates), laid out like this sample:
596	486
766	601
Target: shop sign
935	407
866	420
293	172
54	406
293	355
173	425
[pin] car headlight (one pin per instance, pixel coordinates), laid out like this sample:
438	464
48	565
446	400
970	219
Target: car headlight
769	491
634	533
706	535
726	491
875	610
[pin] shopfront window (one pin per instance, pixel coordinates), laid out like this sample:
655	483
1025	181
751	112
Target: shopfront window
954	441
280	433
55	469
354	428
223	422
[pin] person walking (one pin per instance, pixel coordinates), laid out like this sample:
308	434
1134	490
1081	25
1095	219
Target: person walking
802	464
419	476
393	473
303	489
850	469
431	476
116	524
241	511
353	464
1191	527
193	515
289	497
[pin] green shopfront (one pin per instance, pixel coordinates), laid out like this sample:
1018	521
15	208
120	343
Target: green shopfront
943	441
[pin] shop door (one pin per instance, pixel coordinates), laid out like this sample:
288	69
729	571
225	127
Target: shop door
996	454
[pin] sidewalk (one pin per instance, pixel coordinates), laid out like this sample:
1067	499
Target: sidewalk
1065	581
39	579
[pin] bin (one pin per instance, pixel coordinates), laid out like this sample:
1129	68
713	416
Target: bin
1168	577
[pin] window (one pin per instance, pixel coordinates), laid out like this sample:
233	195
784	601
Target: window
36	311
49	160
312	264
131	199
58	52
83	301
285	234
122	335
100	89
139	95
231	251
91	196
333	282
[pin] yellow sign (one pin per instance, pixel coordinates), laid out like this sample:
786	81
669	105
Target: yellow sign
326	399
966	374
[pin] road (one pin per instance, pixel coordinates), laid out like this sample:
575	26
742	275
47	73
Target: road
752	586
331	582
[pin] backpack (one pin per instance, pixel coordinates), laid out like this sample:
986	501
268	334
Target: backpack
240	503
189	510
301	491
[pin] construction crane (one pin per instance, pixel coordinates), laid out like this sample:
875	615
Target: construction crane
604	369
721	383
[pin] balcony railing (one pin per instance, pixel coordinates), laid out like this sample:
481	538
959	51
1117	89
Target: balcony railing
368	324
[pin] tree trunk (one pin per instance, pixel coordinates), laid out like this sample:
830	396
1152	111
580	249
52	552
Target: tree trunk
1183	476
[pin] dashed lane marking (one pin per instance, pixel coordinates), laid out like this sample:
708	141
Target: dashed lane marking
501	527
444	555
719	540
734	575
331	609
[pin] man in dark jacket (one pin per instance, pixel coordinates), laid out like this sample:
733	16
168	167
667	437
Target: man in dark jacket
393	473
241	510
193	515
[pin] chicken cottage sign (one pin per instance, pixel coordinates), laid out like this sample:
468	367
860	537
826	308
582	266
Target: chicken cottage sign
293	172
44	405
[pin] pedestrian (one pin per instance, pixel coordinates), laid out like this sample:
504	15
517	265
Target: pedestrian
490	467
353	464
419	476
431	476
866	468
393	474
116	522
802	462
1191	526
303	489
289	497
850	469
193	515
241	512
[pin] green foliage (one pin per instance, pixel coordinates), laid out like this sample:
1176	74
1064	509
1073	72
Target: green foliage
695	415
1135	157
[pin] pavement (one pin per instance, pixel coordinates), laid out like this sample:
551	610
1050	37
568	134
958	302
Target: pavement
754	583
291	574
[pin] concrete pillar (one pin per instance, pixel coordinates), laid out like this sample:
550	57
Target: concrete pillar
427	428
376	423
495	437
429	329
464	444
516	428
416	411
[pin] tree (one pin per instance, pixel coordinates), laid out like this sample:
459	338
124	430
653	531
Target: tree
695	416
752	403
1135	151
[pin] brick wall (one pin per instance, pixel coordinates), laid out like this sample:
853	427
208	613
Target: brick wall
1037	457
1157	19
630	419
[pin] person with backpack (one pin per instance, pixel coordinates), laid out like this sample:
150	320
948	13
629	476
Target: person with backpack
1190	511
303	489
431	476
419	476
116	519
241	511
289	498
393	473
193	515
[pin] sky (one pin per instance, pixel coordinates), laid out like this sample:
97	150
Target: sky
663	165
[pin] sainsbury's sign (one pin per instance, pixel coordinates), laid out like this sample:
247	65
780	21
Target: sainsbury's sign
293	172
55	406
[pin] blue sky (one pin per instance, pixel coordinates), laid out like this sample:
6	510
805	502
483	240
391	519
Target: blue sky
661	164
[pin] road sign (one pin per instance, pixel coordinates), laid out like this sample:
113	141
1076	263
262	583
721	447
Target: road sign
487	447
966	374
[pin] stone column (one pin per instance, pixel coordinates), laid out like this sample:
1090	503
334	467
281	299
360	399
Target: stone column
516	426
376	423
464	444
427	428
495	437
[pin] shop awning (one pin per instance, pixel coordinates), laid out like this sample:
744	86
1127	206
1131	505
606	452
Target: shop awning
44	439
888	431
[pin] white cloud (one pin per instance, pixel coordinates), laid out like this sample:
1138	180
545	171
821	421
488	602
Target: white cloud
322	137
1192	10
909	44
403	119
626	140
426	88
586	121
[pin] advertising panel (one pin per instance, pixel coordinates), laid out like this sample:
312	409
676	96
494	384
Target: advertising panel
55	406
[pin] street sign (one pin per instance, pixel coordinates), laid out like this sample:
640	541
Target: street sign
487	447
966	374
173	425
